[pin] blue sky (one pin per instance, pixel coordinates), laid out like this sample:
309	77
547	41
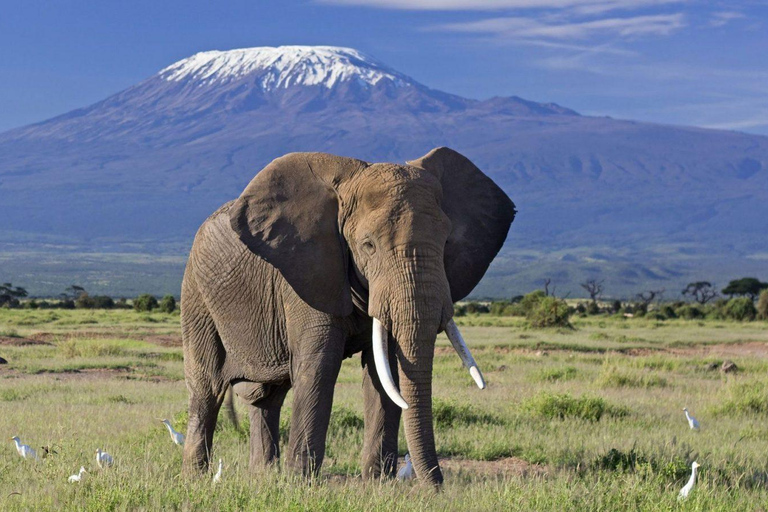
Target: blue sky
702	63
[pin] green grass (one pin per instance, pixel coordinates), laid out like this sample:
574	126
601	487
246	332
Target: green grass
588	419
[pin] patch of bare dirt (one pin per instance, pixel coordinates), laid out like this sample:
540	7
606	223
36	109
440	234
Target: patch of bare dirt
756	349
20	342
164	341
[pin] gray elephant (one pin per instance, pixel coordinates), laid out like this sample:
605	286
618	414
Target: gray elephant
320	258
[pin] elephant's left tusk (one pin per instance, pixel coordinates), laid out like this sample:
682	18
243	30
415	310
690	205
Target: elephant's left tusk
457	340
382	364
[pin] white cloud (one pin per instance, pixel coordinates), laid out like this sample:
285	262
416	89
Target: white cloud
724	17
528	28
586	6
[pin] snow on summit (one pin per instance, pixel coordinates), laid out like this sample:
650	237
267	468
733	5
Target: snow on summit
282	67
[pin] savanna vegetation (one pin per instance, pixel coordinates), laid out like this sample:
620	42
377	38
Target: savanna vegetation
584	415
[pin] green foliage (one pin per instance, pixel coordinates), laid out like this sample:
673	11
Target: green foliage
741	309
700	291
145	303
168	304
762	305
10	295
689	312
548	312
749	286
475	308
556	374
561	406
614	377
592	308
85	301
668	311
745	398
447	414
344	418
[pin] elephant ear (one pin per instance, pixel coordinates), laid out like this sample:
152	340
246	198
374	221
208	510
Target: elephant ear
480	212
288	215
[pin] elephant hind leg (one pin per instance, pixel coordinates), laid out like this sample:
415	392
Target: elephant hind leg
265	425
203	411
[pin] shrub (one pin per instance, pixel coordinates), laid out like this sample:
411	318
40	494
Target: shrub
561	406
689	312
668	311
168	304
459	310
476	307
616	306
549	312
611	376
447	414
531	300
741	309
555	374
103	302
592	308
145	302
762	305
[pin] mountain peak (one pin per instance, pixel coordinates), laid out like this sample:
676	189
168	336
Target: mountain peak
282	67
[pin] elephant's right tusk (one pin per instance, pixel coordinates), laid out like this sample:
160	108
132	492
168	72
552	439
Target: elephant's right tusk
381	359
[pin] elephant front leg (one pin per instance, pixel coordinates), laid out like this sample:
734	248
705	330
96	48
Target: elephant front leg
382	421
314	377
265	427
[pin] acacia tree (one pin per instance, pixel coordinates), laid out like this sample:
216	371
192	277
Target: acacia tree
700	291
594	289
748	286
10	295
647	297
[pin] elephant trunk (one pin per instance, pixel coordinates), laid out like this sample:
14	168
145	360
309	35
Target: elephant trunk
414	310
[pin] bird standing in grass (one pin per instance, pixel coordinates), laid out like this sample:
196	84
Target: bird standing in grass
217	476
176	437
685	491
406	472
76	478
692	422
24	450
103	459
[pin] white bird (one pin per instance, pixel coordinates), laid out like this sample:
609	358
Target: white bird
24	450
406	472
217	476
103	459
76	478
692	422
176	437
691	482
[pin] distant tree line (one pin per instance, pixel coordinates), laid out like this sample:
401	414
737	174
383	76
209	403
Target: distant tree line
76	297
700	300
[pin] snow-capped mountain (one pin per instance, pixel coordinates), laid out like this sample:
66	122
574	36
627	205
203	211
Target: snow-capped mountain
283	67
650	203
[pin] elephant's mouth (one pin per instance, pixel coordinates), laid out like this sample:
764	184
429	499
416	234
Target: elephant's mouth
380	338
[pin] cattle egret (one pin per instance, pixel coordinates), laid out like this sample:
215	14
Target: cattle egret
217	476
24	450
406	472
76	478
176	437
692	422
103	459
691	482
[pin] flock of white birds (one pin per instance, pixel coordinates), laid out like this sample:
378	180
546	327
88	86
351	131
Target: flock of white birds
105	460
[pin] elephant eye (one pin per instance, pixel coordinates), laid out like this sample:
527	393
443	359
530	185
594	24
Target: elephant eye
368	247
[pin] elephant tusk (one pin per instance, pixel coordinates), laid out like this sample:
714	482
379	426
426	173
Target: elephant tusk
381	359
457	340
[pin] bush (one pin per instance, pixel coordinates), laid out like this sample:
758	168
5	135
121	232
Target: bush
616	306
549	312
476	307
592	308
613	377
168	304
145	302
689	312
668	311
762	306
741	309
561	406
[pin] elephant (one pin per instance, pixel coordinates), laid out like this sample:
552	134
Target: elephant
320	258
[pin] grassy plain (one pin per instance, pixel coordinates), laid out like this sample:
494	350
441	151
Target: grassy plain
583	419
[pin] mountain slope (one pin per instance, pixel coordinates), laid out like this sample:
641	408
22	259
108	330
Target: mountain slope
652	203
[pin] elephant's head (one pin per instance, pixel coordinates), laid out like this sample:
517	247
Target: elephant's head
416	237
